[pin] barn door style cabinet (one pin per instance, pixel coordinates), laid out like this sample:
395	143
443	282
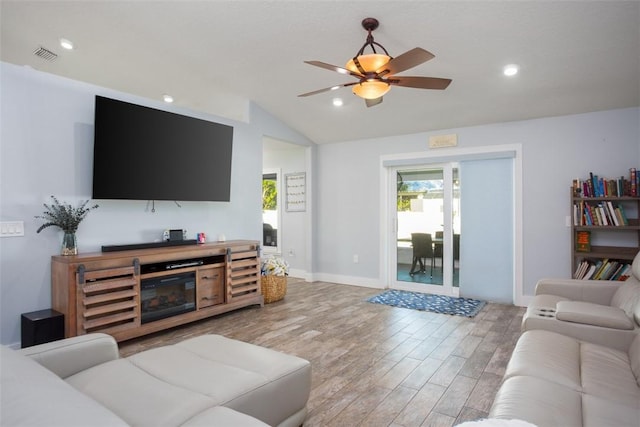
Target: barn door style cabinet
132	293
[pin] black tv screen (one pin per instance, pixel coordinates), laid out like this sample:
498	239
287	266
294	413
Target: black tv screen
141	153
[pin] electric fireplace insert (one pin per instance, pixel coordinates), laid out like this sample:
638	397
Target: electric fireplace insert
167	296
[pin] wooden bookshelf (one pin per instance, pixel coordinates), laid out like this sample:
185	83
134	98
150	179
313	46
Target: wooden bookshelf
608	219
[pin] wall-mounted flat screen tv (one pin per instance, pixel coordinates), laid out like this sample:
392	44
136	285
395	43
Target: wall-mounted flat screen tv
142	153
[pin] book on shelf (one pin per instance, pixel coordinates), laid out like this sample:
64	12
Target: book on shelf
619	271
611	268
599	214
624	274
597	186
623	217
603	265
583	241
590	270
603	269
581	270
612	213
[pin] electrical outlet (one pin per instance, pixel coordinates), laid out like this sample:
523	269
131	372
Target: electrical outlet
11	228
356	259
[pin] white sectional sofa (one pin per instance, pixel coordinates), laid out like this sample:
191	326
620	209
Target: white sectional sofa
204	381
556	380
598	311
577	362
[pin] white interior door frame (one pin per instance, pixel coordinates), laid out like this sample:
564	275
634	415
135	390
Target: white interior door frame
387	225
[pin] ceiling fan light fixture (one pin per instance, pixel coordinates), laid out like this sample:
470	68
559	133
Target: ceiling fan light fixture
372	89
369	63
377	72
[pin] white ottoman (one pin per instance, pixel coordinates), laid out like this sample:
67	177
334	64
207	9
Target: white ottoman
162	386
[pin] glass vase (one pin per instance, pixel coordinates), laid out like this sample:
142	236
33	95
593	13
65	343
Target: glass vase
69	243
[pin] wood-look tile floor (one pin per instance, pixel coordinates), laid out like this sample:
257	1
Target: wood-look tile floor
374	365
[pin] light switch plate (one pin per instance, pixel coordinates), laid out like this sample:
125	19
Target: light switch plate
11	228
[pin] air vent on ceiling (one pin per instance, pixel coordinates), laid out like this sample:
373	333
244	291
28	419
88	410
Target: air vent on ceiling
45	54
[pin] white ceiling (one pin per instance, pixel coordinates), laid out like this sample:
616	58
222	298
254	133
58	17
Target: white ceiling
214	56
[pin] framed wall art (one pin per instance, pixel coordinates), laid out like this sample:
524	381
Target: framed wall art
296	188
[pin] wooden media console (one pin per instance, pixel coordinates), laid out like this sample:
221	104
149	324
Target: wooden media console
123	293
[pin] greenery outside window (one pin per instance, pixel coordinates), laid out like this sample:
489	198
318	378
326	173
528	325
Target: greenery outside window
271	211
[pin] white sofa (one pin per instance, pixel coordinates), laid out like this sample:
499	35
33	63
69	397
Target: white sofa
597	311
208	380
556	380
577	362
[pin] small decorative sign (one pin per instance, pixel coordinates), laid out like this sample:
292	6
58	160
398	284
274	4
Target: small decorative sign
440	141
296	187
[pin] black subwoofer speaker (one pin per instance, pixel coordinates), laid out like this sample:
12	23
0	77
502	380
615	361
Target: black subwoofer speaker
41	326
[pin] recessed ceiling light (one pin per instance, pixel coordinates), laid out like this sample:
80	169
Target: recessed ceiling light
510	70
167	98
337	102
67	44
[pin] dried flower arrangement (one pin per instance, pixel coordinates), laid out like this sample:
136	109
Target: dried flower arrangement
64	216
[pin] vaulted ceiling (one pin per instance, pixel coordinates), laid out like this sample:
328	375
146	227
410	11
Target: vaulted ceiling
216	56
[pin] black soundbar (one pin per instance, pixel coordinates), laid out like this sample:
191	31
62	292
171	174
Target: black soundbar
115	248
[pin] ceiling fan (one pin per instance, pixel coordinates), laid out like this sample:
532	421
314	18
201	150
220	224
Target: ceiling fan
376	72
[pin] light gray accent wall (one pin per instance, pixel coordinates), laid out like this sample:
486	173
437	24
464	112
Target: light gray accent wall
46	137
554	151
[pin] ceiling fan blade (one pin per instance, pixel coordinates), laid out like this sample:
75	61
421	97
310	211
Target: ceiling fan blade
420	82
372	102
326	89
334	68
409	59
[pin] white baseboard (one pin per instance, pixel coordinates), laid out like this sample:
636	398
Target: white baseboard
523	300
297	273
366	282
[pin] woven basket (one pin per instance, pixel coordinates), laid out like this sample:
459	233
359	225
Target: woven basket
274	288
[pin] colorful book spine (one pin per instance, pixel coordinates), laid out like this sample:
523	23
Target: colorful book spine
596	186
583	241
605	269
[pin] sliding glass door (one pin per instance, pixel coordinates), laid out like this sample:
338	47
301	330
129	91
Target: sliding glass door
425	202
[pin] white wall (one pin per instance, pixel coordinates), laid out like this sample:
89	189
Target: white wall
46	128
290	158
554	151
46	149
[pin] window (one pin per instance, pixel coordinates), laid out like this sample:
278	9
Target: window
271	211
